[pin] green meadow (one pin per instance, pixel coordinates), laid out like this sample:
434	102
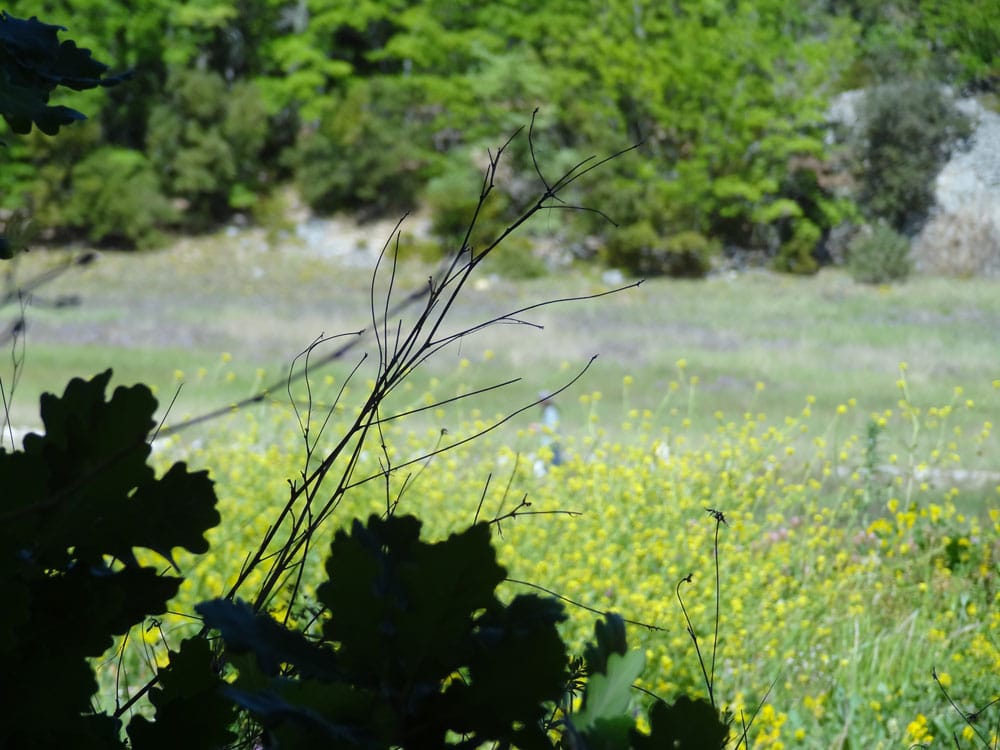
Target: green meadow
845	431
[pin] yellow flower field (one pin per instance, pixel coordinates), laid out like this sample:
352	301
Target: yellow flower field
857	585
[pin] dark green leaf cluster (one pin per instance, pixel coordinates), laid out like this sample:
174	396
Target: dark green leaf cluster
204	141
417	651
416	648
33	63
76	504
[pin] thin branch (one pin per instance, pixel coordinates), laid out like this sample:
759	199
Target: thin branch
581	605
166	413
476	435
14	293
534	159
482	497
263	394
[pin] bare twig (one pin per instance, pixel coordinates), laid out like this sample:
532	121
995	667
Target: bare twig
581	605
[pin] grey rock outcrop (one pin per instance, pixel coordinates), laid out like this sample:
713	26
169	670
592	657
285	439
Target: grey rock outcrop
962	235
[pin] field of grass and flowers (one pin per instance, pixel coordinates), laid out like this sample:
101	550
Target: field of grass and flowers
861	495
848	574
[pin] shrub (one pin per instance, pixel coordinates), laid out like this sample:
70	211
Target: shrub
116	198
798	253
879	255
365	152
518	258
908	131
46	186
640	249
453	195
205	143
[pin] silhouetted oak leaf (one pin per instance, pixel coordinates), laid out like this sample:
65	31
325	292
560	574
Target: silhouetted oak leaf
244	630
687	724
191	710
401	609
518	663
33	63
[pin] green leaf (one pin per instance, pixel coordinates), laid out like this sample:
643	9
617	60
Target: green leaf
608	695
32	64
610	734
23	105
244	630
106	499
173	511
78	500
35	47
609	638
518	663
305	714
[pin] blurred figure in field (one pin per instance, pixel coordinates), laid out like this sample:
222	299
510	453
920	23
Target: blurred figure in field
549	426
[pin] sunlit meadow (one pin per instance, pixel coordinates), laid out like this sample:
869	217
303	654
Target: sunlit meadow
859	572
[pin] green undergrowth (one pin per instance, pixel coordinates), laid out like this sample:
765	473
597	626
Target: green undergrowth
852	564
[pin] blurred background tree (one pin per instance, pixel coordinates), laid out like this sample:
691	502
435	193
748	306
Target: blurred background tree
373	107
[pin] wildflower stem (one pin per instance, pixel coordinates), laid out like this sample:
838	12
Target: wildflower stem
694	638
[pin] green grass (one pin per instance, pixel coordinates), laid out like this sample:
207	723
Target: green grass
151	315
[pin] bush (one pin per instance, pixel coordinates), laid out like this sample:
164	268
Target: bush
116	198
798	253
908	131
879	255
640	249
453	195
47	183
205	142
517	258
364	153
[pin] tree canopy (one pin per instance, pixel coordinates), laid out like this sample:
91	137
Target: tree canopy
379	105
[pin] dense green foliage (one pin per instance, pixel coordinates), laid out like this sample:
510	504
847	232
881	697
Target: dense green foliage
369	106
33	64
